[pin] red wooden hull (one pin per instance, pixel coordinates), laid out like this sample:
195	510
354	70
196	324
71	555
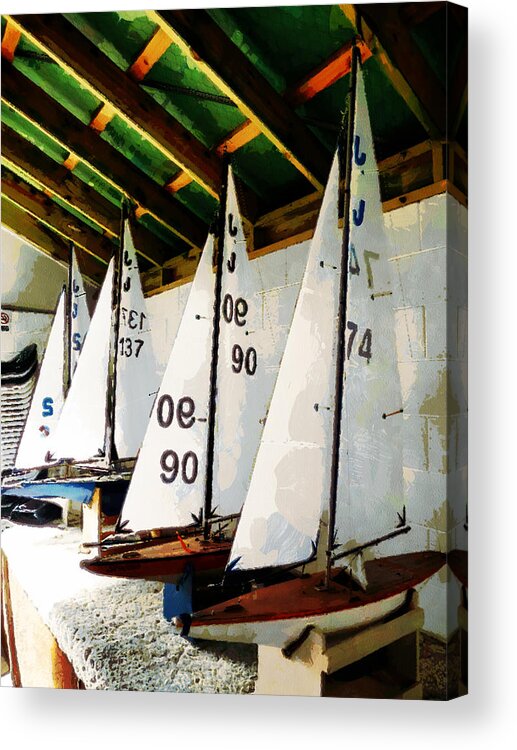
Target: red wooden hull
159	560
272	614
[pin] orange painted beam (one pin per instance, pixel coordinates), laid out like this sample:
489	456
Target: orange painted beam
336	67
238	138
71	161
102	118
330	71
10	41
153	50
180	180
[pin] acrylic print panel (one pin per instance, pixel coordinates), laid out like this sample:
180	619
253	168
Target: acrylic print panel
261	457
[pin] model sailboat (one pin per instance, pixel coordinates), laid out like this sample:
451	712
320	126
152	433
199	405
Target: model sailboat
67	335
193	469
330	458
109	402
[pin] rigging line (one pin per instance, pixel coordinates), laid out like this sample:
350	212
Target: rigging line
212	404
68	325
372	543
109	438
187	91
343	297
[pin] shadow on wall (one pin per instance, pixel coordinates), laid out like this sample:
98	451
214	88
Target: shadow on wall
29	278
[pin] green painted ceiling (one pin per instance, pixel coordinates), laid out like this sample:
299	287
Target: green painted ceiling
283	43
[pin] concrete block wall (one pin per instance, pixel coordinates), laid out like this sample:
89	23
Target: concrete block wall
429	263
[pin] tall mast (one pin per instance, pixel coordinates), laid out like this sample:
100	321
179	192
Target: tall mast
346	162
219	252
67	375
109	438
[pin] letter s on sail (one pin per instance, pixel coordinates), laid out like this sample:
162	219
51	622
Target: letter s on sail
76	342
47	406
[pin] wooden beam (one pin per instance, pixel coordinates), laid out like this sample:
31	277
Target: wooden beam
102	117
238	138
230	70
47	211
157	45
57	180
385	32
10	41
330	71
48	242
50	116
95	71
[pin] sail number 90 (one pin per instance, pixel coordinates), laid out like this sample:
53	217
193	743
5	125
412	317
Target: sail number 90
170	462
171	465
247	359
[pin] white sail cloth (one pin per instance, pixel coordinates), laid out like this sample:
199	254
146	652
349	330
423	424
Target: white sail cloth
80	316
290	485
81	428
370	487
137	379
80	435
281	515
168	483
48	397
242	390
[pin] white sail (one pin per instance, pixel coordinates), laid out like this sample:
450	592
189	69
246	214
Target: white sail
48	397
136	380
370	491
281	515
80	435
242	390
168	483
81	429
80	316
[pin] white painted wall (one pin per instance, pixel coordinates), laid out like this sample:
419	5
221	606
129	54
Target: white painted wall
430	269
429	262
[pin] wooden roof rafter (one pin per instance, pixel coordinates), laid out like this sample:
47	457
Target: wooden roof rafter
55	179
43	208
47	241
81	59
317	80
199	37
406	68
85	145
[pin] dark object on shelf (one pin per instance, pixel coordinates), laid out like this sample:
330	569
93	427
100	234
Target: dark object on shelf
21	367
35	513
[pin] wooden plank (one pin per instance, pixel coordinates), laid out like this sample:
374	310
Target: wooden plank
330	71
95	71
386	34
371	639
55	179
231	71
157	45
104	115
64	223
10	41
7	617
238	138
181	180
47	114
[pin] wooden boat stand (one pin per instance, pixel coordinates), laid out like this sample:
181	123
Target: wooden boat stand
379	661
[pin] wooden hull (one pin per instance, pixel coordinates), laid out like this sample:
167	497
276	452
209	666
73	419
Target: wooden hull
159	560
275	615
